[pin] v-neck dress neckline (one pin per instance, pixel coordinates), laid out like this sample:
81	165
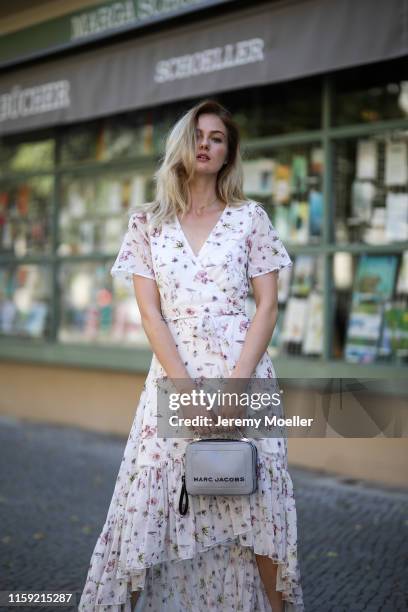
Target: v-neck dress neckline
197	257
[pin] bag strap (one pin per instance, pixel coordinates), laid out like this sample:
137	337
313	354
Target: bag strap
183	503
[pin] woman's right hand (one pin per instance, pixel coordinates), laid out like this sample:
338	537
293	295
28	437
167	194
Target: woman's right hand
207	418
190	410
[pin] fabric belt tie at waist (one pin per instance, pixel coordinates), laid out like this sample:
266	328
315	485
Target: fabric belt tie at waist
212	328
190	312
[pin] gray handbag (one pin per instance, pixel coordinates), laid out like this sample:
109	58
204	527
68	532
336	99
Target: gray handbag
219	466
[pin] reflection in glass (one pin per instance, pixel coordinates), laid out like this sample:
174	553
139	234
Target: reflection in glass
259	112
25	215
128	136
119	137
288	181
371	308
93	213
81	143
25	301
371	189
163	121
275	109
26	156
376	94
93	309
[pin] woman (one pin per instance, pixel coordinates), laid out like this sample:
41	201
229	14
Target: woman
189	255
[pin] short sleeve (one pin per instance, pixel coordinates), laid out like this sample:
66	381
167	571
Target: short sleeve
266	251
134	255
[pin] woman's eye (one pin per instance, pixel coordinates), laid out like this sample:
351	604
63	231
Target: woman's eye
214	138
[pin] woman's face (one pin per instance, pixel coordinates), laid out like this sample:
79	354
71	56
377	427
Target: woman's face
212	145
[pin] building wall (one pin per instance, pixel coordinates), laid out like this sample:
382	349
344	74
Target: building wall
105	401
93	399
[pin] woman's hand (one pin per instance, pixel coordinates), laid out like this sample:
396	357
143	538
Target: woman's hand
229	409
232	407
191	410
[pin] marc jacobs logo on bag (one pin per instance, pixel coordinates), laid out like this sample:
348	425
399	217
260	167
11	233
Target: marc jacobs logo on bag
219	479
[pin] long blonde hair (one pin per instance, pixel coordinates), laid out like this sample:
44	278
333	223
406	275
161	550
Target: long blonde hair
177	168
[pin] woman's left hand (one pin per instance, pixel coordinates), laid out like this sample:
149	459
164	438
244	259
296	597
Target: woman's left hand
231	408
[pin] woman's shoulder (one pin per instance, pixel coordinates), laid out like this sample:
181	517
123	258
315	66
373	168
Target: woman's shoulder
139	220
138	215
252	209
246	206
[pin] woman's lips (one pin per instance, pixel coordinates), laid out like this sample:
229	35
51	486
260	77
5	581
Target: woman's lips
203	158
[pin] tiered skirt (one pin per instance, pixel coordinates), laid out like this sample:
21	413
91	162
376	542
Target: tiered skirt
202	561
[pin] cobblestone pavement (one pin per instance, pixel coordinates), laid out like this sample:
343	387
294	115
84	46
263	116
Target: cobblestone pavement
56	484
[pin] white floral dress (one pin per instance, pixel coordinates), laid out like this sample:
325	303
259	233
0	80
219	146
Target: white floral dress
204	560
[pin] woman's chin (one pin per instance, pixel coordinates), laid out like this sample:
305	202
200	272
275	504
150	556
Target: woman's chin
201	170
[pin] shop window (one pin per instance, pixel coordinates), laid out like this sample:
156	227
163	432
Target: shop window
93	215
164	119
375	93
97	309
288	181
299	327
128	136
25	301
371	308
276	109
82	143
26	156
260	112
371	189
25	215
118	137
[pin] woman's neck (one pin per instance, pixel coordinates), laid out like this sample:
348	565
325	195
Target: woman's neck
203	194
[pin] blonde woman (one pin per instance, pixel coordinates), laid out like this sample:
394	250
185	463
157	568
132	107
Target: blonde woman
189	256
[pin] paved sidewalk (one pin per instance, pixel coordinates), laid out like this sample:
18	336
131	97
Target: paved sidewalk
56	484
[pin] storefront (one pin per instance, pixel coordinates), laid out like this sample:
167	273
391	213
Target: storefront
325	145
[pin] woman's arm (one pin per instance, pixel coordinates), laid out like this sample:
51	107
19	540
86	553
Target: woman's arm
265	289
163	344
158	333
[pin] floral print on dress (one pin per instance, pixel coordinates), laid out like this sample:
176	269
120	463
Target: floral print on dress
205	559
266	251
134	255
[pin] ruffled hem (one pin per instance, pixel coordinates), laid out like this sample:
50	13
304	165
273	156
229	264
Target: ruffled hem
147	541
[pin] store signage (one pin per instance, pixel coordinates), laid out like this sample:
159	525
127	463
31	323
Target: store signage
108	17
249	48
118	14
23	102
81	26
210	60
